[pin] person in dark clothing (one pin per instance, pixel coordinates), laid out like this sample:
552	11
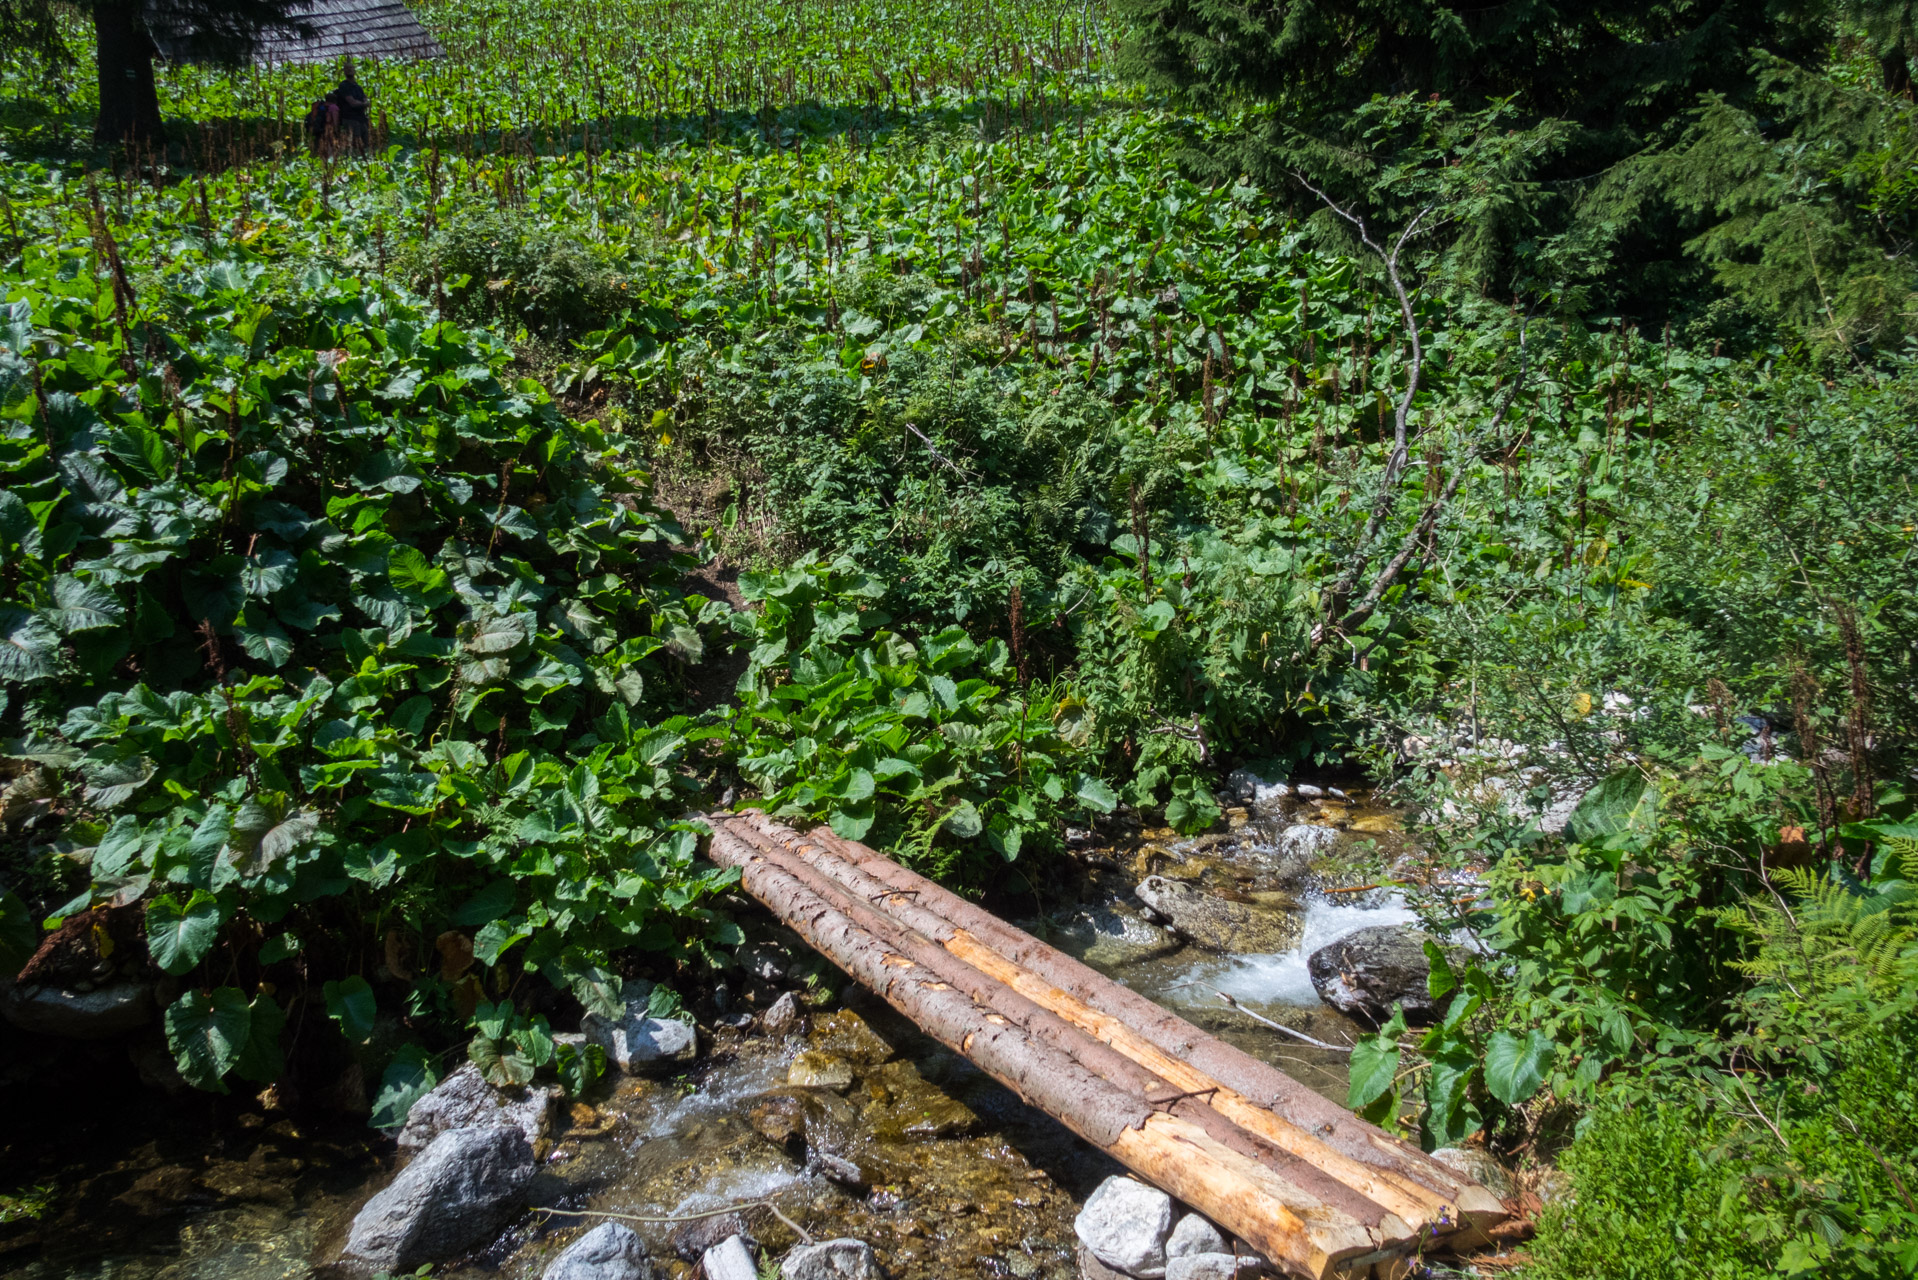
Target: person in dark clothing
352	102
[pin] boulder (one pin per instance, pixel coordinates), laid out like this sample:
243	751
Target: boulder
1217	923
730	1259
692	1239
1365	973
640	1044
465	1101
1125	1224
455	1194
1250	789
1194	1234
1480	1166
815	1070
609	1251
1211	1266
783	1018
1111	934
99	1014
842	1259
844	1034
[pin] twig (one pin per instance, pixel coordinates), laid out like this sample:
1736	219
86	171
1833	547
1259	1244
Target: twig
933	449
767	1205
1260	1018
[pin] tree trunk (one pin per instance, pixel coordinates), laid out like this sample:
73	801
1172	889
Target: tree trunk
129	101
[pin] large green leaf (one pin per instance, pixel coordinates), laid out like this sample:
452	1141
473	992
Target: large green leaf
349	1002
260	1059
1449	1115
180	934
29	646
1375	1064
1095	795
208	1031
1626	802
1514	1068
409	1077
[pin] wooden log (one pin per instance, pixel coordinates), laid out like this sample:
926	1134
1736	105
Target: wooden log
1270	1213
1260	1085
847	890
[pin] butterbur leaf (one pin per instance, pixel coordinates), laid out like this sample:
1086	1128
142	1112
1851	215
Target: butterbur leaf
85	606
1375	1064
1514	1068
349	1002
1626	802
579	1066
267	641
18	934
1095	795
1448	1113
964	821
29	646
409	1077
595	988
502	1066
179	935
417	578
1440	980
486	906
208	1031
260	1059
111	782
852	821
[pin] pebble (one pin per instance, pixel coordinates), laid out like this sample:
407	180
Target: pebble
1125	1224
815	1070
730	1259
1194	1234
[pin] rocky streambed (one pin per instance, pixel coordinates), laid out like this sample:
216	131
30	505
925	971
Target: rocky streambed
822	1103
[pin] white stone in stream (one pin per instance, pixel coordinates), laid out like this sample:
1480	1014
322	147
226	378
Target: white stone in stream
730	1259
1194	1234
464	1100
842	1259
1211	1266
1125	1224
637	1043
609	1251
462	1188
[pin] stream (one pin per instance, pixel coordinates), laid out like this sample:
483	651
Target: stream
909	1147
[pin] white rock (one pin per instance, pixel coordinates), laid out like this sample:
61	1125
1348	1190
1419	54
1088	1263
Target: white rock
1211	1266
637	1043
609	1251
783	1017
730	1259
464	1100
1308	791
461	1189
1125	1224
1480	1166
842	1259
1194	1234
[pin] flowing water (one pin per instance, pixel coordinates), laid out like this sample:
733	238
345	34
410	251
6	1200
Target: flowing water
944	1172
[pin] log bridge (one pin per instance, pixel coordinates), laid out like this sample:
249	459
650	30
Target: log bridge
1318	1191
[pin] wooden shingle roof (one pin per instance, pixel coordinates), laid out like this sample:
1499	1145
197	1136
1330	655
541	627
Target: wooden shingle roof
335	29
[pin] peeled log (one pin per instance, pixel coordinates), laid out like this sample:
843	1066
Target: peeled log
1308	1204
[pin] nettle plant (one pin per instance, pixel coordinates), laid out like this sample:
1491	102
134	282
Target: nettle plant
341	656
917	747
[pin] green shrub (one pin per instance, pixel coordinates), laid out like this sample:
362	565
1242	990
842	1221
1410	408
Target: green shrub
491	265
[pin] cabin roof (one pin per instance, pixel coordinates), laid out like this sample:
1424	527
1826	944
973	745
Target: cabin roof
338	29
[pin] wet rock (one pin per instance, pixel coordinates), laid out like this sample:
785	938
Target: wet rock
767	961
692	1239
730	1259
98	1014
1480	1166
844	1034
1111	934
783	1018
815	1070
457	1192
464	1100
917	1110
640	1044
1210	1266
1220	924
1194	1234
835	1168
1365	973
609	1251
1249	788
842	1259
1125	1224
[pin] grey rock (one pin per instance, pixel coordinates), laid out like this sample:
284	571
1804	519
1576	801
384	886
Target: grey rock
812	1069
1480	1166
1211	1266
767	961
783	1017
1194	1234
638	1043
1220	924
459	1191
99	1014
609	1251
1111	934
1249	788
464	1101
692	1239
730	1259
1308	791
842	1259
1125	1224
1365	973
